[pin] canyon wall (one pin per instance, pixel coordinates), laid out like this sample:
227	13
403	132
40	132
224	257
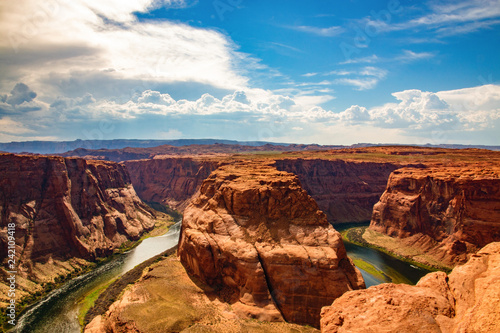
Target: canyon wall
65	208
449	212
255	234
345	191
170	181
467	300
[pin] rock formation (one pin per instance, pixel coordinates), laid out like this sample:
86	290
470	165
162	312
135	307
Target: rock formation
65	208
253	233
170	181
468	300
449	212
345	191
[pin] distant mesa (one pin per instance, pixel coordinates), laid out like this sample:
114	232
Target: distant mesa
60	147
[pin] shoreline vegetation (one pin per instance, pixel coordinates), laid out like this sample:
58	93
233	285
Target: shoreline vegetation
92	302
363	236
190	304
107	294
24	304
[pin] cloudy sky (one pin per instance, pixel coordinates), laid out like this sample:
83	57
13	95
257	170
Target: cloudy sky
316	71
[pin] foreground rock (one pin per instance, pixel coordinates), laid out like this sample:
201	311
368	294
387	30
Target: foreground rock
447	212
65	211
468	300
258	237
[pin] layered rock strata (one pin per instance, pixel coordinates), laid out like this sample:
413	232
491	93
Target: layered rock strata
170	181
253	233
345	191
448	212
64	208
467	300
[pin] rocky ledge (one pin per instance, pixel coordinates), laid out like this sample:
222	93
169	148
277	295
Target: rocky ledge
467	300
256	236
447	212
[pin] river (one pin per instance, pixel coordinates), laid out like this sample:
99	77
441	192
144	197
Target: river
58	312
378	267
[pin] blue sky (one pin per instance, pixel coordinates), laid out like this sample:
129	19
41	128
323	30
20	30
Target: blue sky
328	72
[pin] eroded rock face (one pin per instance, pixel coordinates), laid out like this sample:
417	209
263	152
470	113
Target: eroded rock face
468	300
254	233
345	191
449	212
170	181
64	208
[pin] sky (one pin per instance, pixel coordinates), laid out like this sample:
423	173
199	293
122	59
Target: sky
316	71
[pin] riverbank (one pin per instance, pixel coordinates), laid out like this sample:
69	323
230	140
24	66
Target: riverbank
365	237
102	296
167	299
399	248
109	294
32	293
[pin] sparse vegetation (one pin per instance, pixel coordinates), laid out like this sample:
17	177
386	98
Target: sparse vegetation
396	248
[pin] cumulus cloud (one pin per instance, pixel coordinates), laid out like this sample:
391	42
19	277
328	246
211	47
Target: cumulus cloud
20	94
471	109
77	45
20	100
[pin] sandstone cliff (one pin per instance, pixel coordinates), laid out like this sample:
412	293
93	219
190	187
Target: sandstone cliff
468	300
257	236
170	181
345	191
449	212
66	208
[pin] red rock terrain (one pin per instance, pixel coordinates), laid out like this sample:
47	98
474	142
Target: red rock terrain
253	233
345	191
170	181
467	300
448	211
66	208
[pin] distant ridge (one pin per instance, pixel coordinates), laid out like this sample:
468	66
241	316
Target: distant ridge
59	147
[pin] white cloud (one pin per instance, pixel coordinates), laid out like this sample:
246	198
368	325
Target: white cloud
324	32
84	43
369	60
255	114
379	73
363	79
408	56
448	18
471	109
359	83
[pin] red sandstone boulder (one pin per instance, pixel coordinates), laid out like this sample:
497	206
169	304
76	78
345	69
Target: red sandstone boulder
255	234
468	300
